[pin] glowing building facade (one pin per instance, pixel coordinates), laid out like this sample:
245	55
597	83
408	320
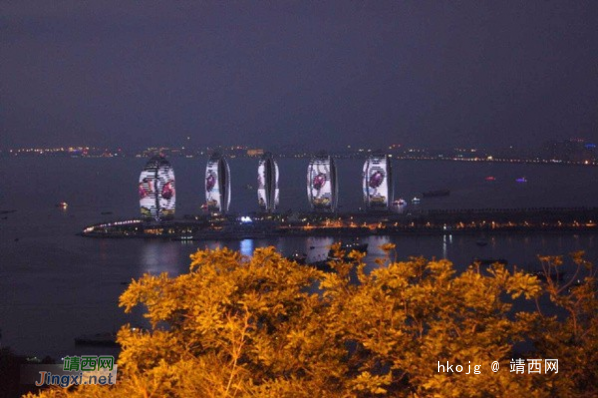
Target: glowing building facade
217	184
322	184
267	183
157	195
378	189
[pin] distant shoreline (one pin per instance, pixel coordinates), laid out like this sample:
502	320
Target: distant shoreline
535	161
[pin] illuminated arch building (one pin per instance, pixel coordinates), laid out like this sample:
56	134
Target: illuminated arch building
378	189
267	183
157	194
322	183
217	184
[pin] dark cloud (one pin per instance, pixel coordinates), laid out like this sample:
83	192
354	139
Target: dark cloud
419	73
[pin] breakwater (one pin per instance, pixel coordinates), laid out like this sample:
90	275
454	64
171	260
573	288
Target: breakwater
256	226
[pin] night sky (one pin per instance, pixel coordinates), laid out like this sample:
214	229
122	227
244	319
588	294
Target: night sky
419	73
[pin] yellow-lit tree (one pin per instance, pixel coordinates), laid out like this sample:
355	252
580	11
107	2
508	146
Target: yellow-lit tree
268	327
571	334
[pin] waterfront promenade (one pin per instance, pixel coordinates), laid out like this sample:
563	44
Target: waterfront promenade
430	222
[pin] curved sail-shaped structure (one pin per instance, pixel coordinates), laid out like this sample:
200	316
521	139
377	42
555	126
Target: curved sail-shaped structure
322	184
157	195
217	184
378	188
267	183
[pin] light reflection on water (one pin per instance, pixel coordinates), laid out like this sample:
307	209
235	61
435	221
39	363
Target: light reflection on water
246	248
110	262
158	257
317	248
55	285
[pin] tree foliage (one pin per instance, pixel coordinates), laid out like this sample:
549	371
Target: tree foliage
268	327
572	336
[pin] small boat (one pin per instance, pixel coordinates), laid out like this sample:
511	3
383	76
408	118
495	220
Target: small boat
399	203
575	284
490	178
437	193
62	205
521	179
415	200
98	339
481	242
183	238
204	206
298	258
248	186
349	247
553	276
490	261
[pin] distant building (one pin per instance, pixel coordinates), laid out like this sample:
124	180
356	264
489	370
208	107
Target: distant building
157	194
574	150
255	152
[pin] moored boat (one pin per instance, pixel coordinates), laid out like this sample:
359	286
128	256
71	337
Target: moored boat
298	258
436	193
399	203
349	247
490	261
481	242
97	339
553	275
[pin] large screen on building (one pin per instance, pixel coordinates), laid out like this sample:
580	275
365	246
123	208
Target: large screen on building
147	193
320	184
157	196
213	186
165	186
376	182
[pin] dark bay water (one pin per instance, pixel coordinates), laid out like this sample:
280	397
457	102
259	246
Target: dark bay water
55	285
